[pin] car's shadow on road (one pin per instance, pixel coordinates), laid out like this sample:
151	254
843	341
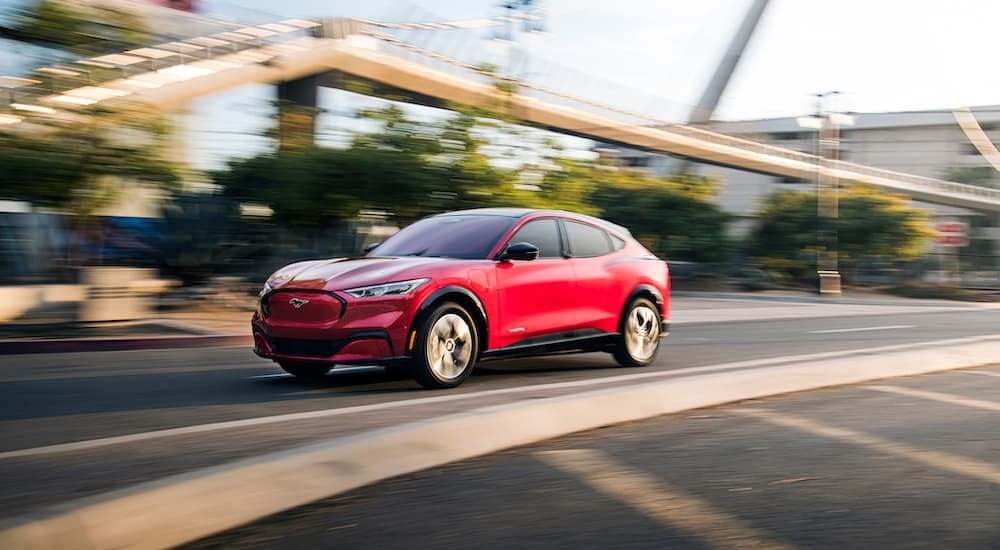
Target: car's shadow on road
376	380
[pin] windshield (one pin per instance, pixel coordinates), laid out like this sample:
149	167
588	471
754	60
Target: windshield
466	236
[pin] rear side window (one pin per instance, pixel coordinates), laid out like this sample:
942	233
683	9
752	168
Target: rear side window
587	241
542	233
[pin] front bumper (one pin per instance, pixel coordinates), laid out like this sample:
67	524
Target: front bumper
324	327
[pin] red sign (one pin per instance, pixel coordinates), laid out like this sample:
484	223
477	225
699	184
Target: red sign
953	234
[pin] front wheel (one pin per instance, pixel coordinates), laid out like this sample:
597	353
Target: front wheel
446	348
309	371
639	334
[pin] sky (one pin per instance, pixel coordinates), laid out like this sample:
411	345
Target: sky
657	55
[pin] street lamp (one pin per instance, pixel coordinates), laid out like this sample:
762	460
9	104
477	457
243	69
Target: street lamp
827	125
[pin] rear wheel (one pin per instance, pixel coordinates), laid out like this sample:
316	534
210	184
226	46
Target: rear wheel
446	348
639	334
310	371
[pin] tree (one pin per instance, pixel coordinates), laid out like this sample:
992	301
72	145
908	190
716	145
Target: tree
980	176
673	216
84	29
79	166
407	169
870	224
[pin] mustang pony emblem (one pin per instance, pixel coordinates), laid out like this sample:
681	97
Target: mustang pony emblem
298	302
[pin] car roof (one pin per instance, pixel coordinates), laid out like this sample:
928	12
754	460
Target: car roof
521	212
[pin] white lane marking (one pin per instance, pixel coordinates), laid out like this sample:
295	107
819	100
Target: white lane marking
860	329
948	462
323	413
937	396
266	376
671	506
981	373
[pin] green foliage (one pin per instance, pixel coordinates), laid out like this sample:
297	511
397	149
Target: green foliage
674	218
870	224
80	166
982	176
399	133
84	29
410	168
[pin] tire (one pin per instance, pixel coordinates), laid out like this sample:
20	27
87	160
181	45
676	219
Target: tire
306	371
638	334
446	348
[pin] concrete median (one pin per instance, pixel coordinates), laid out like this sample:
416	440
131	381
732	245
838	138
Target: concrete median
186	507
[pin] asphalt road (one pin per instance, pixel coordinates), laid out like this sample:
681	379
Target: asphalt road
906	463
76	401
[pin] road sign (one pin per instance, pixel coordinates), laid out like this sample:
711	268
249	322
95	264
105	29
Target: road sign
952	234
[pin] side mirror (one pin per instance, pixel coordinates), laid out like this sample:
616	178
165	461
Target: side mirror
519	251
371	247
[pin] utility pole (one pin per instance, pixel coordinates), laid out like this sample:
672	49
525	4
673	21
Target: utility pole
827	125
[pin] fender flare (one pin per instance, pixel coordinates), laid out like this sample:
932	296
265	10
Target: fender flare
436	296
644	290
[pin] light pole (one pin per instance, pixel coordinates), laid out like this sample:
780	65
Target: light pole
827	125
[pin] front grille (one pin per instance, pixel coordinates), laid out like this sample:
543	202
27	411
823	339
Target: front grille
303	348
302	306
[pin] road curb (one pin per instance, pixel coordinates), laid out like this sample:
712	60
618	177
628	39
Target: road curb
186	507
13	347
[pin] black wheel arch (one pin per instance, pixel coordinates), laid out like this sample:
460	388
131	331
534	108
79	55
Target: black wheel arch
461	296
647	291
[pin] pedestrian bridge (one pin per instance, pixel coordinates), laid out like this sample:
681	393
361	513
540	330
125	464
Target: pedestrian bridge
170	75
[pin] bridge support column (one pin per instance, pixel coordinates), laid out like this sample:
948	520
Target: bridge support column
297	112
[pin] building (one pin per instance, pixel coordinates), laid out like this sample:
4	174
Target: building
925	143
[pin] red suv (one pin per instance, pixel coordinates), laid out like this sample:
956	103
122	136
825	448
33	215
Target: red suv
452	289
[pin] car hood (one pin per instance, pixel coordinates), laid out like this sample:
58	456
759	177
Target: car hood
344	273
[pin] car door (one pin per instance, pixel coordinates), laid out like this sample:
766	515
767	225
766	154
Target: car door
597	291
535	298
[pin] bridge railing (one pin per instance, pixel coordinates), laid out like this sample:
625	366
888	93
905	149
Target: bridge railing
466	70
267	40
43	84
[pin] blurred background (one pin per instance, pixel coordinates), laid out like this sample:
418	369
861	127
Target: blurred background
158	153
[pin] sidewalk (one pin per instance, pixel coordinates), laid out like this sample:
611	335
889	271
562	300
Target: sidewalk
195	324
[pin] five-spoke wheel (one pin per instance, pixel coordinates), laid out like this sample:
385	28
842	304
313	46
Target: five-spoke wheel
639	334
446	347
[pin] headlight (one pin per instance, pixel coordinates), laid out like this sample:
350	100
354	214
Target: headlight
265	290
387	289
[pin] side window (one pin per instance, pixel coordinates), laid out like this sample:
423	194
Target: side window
542	233
587	241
